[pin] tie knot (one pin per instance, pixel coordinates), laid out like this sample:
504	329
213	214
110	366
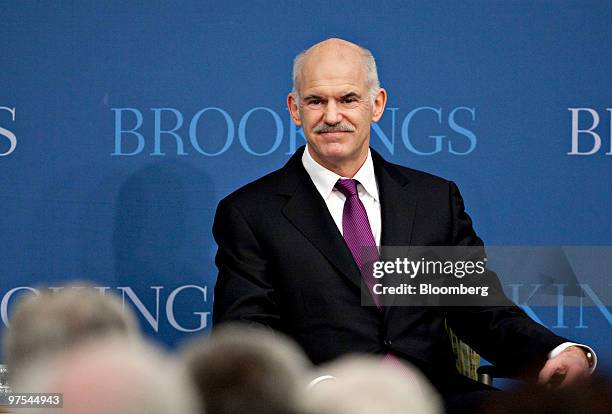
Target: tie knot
348	187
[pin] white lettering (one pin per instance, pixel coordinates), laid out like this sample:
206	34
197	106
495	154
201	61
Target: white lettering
152	320
170	309
7	297
9	134
576	131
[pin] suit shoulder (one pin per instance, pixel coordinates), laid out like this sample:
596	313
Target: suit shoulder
420	178
258	190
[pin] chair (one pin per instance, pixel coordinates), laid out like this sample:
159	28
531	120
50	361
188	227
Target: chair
467	361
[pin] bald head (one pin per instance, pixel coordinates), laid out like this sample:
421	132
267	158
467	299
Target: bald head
334	50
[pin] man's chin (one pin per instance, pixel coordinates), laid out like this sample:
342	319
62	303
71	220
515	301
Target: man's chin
339	157
335	153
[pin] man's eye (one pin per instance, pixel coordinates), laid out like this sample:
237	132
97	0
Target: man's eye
349	100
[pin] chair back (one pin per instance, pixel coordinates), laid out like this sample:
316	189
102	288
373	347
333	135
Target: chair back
467	360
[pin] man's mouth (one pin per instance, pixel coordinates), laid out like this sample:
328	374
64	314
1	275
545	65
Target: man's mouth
334	134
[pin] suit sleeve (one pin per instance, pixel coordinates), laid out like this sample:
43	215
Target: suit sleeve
243	291
504	335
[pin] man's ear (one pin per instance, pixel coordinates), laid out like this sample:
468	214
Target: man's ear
294	110
380	101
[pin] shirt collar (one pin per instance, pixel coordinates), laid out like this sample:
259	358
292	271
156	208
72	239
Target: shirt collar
325	180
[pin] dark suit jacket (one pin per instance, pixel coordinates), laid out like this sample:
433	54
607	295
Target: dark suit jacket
284	264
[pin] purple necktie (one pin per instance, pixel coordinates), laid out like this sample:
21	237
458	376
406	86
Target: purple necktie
360	240
358	233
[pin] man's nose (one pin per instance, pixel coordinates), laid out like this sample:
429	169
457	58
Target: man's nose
332	115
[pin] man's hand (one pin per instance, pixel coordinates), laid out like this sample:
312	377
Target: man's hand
568	368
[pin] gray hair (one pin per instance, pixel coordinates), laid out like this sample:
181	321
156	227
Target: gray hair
112	376
243	369
369	66
367	385
54	321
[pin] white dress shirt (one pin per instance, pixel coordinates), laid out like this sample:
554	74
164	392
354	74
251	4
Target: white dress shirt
367	189
325	180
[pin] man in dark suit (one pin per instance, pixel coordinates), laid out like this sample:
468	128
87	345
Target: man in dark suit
287	242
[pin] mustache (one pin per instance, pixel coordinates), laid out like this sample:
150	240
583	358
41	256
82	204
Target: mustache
333	128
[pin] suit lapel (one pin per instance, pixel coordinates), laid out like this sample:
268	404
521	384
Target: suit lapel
397	209
307	211
397	203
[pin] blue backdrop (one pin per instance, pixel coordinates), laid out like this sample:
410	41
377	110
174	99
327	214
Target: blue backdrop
123	124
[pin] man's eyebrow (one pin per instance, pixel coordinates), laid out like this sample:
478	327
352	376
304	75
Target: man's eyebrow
309	97
350	95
